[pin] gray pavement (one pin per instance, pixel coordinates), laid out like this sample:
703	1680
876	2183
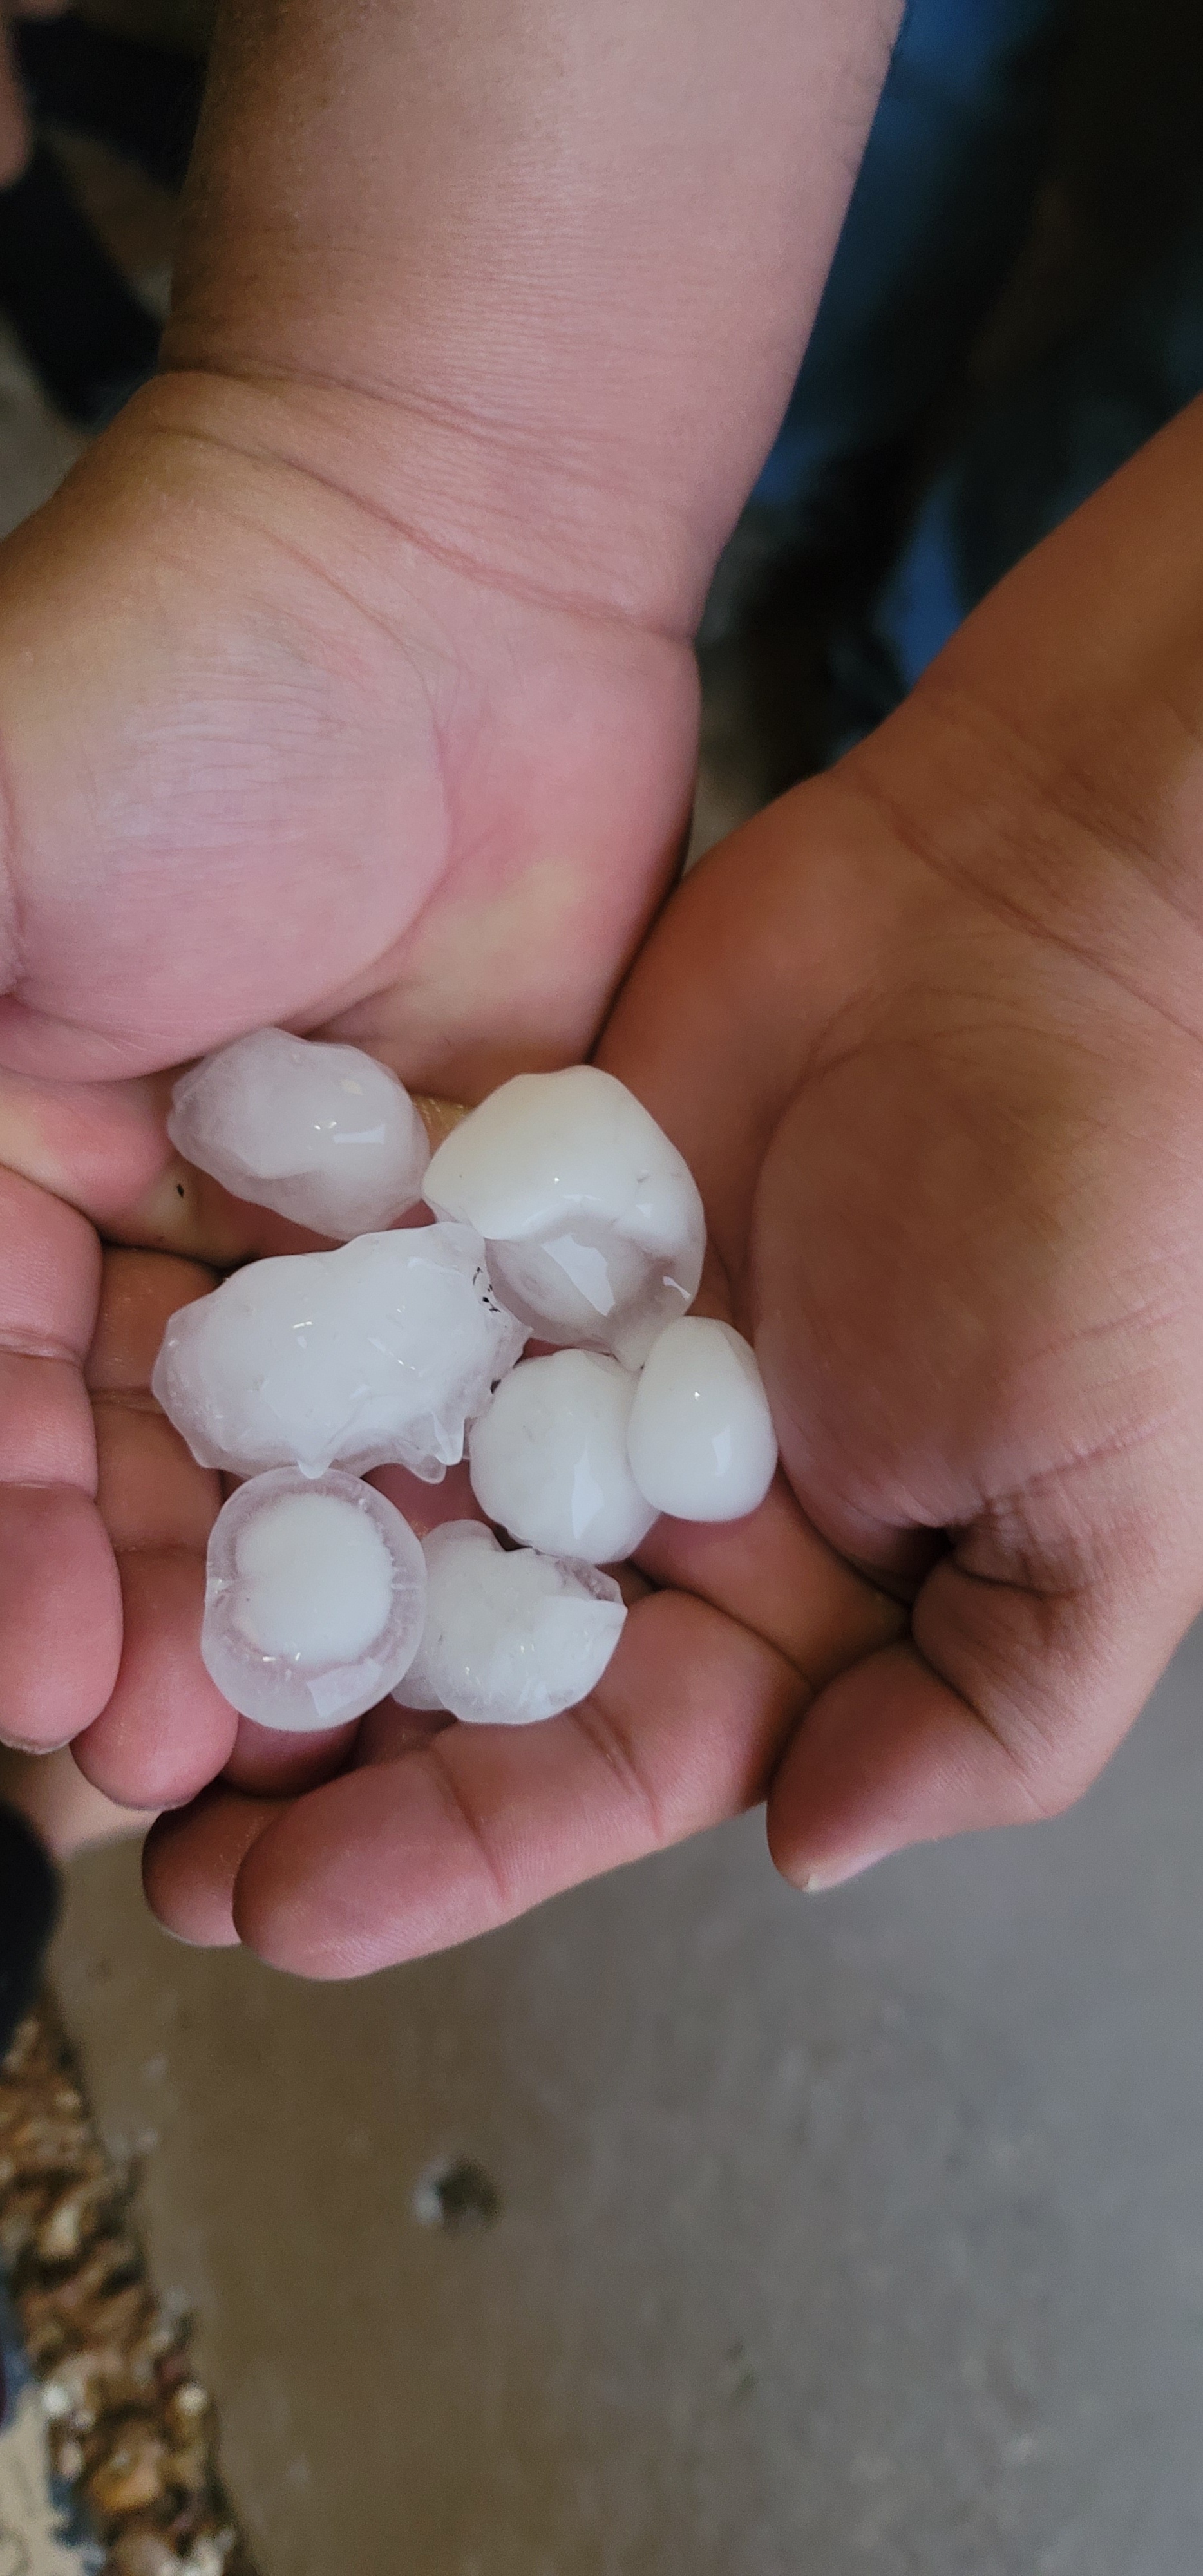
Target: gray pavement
858	2233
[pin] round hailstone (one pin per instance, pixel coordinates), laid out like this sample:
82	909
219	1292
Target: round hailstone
700	1438
593	1222
322	1134
315	1597
509	1639
549	1459
374	1355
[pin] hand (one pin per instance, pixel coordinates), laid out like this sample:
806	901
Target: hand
929	1033
267	756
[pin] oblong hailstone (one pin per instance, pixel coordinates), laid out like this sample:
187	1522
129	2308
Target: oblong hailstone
322	1134
374	1355
593	1221
549	1458
509	1638
315	1599
700	1436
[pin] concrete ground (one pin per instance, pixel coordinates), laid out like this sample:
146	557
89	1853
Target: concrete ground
853	2233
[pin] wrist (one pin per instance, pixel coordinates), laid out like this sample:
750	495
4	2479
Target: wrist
550	267
508	506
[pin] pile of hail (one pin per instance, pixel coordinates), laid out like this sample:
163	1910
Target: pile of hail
562	1214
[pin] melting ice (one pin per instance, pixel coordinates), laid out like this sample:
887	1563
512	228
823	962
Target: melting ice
509	1637
322	1134
376	1354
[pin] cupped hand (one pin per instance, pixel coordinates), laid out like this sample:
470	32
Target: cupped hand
929	1034
267	754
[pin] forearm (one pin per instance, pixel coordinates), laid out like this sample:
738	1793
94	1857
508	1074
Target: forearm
577	251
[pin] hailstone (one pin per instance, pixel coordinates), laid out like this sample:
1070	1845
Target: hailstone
315	1599
323	1134
700	1437
510	1638
376	1354
593	1221
549	1458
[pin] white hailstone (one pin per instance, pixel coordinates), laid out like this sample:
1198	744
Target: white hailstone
373	1355
700	1438
549	1458
315	1599
593	1221
322	1134
509	1638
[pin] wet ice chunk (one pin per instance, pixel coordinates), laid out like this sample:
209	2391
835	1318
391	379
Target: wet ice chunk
378	1353
700	1437
549	1458
322	1134
315	1598
509	1638
593	1221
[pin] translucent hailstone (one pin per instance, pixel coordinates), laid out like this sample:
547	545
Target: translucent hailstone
700	1437
322	1134
315	1599
508	1638
375	1354
549	1459
593	1222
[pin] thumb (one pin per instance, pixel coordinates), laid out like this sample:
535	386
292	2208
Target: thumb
1000	1708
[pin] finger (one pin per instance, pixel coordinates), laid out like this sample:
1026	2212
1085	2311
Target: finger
390	1730
396	1860
60	1615
165	1730
270	1764
104	1148
190	1863
1001	1709
60	1609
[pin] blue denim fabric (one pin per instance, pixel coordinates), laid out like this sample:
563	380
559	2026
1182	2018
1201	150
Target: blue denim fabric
1028	458
938	211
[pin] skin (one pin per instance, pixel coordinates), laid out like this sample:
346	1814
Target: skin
928	1031
347	683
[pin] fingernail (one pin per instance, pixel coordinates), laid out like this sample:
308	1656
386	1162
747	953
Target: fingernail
837	1873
